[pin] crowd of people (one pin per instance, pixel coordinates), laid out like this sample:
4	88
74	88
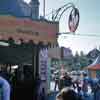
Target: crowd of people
85	89
69	89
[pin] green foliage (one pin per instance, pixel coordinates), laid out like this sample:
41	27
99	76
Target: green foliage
78	62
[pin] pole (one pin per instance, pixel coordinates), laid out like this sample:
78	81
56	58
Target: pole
44	8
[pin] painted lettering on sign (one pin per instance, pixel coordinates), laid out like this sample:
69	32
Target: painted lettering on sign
43	64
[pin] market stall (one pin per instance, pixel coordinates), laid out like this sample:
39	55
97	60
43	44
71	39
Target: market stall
94	68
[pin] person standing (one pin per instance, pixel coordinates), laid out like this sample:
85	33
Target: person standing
65	81
85	84
56	81
96	89
5	86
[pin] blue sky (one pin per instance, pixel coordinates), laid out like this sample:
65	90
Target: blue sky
89	23
89	14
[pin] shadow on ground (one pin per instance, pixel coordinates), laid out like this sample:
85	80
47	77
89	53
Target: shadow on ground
52	96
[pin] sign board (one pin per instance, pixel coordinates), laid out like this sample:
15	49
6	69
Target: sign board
43	69
73	21
43	63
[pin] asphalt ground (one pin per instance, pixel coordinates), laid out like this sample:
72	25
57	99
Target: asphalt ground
52	96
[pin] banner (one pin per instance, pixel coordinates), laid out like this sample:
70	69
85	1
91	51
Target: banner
43	63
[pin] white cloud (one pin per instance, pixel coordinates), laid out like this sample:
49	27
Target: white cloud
79	43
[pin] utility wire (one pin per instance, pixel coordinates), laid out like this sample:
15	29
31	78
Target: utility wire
74	34
89	35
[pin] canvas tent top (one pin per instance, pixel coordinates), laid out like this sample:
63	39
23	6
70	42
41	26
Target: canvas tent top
95	65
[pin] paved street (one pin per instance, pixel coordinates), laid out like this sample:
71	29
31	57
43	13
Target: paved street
52	85
52	96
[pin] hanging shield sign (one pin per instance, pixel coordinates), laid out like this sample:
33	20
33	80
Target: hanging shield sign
73	21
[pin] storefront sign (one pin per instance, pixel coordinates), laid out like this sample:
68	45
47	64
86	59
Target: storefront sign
25	30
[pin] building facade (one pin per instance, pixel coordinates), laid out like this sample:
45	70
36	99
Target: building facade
60	57
19	8
27	29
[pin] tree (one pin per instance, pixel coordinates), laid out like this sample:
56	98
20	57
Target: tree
83	60
80	61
